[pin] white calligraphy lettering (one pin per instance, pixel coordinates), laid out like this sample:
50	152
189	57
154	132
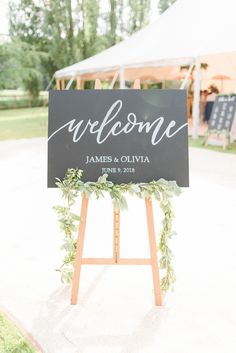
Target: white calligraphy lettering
104	129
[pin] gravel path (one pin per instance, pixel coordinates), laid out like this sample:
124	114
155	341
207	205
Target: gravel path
115	311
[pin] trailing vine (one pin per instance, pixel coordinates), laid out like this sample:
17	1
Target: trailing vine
72	187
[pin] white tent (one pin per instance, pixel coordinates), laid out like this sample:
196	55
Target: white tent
189	32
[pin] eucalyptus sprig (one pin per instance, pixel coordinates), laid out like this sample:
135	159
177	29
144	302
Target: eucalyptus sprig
72	187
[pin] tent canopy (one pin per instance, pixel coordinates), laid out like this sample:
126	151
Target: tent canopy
189	29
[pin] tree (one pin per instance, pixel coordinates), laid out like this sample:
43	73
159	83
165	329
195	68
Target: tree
28	44
163	5
113	22
139	11
68	31
87	39
20	65
26	21
8	78
29	67
58	31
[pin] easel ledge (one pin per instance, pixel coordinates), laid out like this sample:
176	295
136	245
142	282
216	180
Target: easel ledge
116	260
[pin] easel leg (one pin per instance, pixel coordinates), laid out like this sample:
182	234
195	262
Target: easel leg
79	250
116	235
153	252
225	143
206	142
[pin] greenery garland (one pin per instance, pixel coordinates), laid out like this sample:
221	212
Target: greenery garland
72	186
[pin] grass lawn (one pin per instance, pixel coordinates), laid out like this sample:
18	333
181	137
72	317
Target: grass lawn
199	143
11	340
15	93
23	123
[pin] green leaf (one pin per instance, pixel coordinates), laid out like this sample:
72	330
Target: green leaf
135	188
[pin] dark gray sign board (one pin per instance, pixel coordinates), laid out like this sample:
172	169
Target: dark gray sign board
132	135
223	112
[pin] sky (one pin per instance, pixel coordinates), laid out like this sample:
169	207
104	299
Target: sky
4	19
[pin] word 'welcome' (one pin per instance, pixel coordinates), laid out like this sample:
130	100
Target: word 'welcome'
115	128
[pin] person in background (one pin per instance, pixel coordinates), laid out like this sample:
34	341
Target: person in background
212	93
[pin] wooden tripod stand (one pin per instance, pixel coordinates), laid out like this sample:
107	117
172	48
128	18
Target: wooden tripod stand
115	259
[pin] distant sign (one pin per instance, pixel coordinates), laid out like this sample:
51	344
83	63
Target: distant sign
132	135
223	112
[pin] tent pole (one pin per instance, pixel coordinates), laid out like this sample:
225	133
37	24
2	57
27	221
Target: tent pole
196	98
114	79
50	83
184	83
122	77
70	82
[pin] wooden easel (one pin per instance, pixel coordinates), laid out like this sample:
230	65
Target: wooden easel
116	260
217	137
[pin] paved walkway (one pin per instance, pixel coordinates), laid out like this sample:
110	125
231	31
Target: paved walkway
115	313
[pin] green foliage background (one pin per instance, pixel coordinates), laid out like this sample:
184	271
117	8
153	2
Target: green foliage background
164	4
49	35
11	340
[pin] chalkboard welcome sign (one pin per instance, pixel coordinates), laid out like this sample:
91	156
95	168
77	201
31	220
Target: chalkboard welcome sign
132	135
223	112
